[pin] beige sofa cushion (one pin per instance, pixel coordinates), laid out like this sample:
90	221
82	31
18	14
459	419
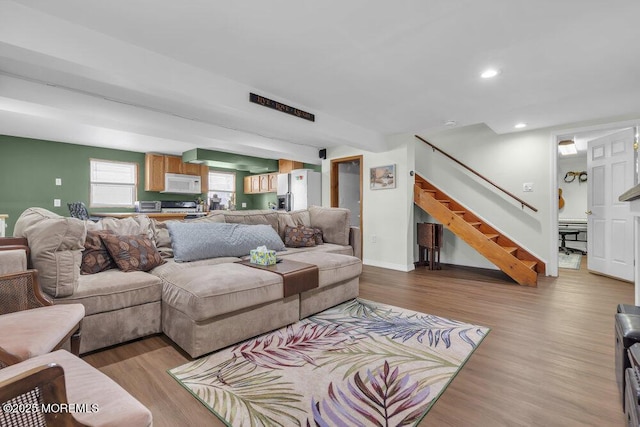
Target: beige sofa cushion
39	330
253	217
207	291
292	219
112	290
56	245
13	261
139	224
334	222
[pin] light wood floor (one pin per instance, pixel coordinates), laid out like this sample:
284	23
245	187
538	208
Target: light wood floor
548	361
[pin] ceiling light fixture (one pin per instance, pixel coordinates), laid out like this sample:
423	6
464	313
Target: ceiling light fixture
520	125
567	147
450	123
490	73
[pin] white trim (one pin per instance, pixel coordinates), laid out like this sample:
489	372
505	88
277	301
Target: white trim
389	265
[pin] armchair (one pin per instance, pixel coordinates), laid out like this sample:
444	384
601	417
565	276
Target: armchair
53	379
31	324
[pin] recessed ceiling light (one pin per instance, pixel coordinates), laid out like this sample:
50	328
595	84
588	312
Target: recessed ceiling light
520	125
490	73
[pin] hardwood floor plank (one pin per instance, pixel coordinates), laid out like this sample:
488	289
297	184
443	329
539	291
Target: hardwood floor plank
548	361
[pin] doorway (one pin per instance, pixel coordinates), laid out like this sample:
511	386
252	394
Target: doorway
346	187
586	183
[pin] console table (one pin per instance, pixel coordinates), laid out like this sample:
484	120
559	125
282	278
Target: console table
297	277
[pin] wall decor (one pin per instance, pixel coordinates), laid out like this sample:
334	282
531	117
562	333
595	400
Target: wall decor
270	103
382	177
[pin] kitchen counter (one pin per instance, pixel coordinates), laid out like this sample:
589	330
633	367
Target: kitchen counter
160	216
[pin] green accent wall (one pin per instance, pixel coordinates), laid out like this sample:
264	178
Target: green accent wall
29	168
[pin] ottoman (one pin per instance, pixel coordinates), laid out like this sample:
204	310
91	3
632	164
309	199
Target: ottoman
208	307
627	334
338	280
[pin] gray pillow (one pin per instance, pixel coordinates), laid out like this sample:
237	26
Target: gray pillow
193	241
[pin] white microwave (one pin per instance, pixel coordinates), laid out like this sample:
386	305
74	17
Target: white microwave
182	184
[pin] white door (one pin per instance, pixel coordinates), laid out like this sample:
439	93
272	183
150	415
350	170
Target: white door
610	226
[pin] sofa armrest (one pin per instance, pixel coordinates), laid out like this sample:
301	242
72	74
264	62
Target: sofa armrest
355	240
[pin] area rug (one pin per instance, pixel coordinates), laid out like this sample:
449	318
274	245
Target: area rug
569	261
359	363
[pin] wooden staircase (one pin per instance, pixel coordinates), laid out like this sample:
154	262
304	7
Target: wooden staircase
515	261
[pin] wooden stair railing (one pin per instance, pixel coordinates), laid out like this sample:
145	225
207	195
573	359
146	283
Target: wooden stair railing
522	202
515	261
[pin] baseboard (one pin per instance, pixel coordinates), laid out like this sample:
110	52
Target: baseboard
388	265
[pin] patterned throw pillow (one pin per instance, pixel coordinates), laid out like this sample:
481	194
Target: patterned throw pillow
95	257
132	253
299	236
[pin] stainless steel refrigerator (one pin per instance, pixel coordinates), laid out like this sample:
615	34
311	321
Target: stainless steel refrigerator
299	189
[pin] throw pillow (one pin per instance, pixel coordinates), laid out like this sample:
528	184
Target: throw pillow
193	241
299	237
95	257
131	252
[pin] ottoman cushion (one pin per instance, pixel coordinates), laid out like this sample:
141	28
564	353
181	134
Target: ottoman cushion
207	291
333	268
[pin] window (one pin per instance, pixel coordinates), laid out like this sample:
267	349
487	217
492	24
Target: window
222	190
113	184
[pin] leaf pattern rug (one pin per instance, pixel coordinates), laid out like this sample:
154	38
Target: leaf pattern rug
357	364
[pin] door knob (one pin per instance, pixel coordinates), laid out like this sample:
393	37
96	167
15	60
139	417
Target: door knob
589	212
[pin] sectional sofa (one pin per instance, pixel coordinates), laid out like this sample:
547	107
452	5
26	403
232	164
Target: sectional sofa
204	304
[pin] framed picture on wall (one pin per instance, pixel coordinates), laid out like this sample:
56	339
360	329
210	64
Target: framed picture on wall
382	177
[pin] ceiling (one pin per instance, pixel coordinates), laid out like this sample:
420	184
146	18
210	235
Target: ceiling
167	76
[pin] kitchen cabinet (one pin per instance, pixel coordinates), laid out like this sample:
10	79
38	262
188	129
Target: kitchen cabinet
286	166
172	164
264	183
156	165
273	183
153	172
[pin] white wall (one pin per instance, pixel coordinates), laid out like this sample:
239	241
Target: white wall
507	160
574	193
387	214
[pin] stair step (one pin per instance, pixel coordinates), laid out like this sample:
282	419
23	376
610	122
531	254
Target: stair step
493	237
510	249
445	202
475	224
432	193
530	264
459	213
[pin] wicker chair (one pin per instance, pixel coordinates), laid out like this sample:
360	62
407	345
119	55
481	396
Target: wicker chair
44	385
50	381
33	325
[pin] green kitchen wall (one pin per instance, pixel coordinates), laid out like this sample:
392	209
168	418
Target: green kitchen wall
29	168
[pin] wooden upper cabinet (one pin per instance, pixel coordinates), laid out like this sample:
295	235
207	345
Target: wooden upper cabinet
255	184
273	183
204	176
156	165
286	166
191	168
172	164
264	183
153	172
